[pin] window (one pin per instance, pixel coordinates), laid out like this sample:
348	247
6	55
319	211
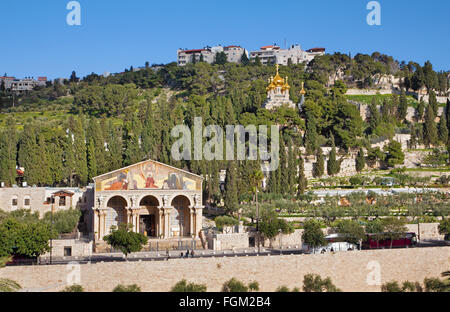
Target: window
26	201
14	201
62	201
68	251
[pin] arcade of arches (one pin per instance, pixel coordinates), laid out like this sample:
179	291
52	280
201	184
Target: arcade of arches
173	210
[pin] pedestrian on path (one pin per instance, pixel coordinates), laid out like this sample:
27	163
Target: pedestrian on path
192	254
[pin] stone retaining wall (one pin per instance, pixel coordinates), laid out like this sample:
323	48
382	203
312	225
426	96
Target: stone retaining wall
350	271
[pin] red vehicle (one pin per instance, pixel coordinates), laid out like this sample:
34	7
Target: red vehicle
406	240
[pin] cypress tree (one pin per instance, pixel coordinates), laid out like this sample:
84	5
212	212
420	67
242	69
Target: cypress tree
8	153
402	107
311	134
292	168
133	153
302	180
420	109
92	160
231	193
360	160
333	165
28	157
443	130
430	130
432	102
319	167
114	146
374	117
282	175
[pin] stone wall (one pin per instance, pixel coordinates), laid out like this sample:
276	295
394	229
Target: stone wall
80	248
350	271
228	241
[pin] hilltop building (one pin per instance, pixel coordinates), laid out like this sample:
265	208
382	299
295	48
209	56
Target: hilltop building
273	54
208	54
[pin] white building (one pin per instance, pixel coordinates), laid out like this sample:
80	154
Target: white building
278	92
23	85
273	54
208	54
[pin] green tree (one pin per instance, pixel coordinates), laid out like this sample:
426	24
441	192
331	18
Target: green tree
127	288
402	107
302	180
395	155
73	288
244	59
433	103
315	283
333	165
360	160
444	228
8	153
310	134
443	130
430	130
313	235
126	240
394	228
231	197
221	58
234	285
420	109
318	166
184	286
353	232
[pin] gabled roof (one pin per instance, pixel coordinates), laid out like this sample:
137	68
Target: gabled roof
63	193
145	161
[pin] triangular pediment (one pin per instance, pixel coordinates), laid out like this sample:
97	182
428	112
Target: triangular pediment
147	175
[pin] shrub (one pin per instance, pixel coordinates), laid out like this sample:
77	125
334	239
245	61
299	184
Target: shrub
234	285
314	283
223	221
184	286
129	288
73	288
355	181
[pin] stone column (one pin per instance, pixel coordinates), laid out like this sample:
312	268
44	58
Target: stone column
159	225
198	220
167	212
96	224
191	221
102	231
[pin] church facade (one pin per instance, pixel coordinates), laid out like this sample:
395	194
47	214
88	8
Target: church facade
278	92
157	200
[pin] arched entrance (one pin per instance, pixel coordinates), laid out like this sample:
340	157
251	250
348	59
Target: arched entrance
116	213
180	218
149	216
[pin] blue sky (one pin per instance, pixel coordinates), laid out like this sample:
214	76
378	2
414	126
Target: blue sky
36	41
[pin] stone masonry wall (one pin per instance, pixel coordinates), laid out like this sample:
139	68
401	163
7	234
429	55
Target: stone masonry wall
348	270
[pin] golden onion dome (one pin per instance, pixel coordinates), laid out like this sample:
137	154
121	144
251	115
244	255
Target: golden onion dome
303	92
271	85
286	85
278	81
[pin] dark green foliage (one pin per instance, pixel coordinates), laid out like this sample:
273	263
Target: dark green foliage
313	234
127	288
8	153
360	160
315	283
402	107
184	286
73	288
231	192
225	221
126	240
395	155
302	180
319	166
234	285
333	164
64	221
351	229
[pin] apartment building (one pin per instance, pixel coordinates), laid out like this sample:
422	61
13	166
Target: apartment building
273	54
208	54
